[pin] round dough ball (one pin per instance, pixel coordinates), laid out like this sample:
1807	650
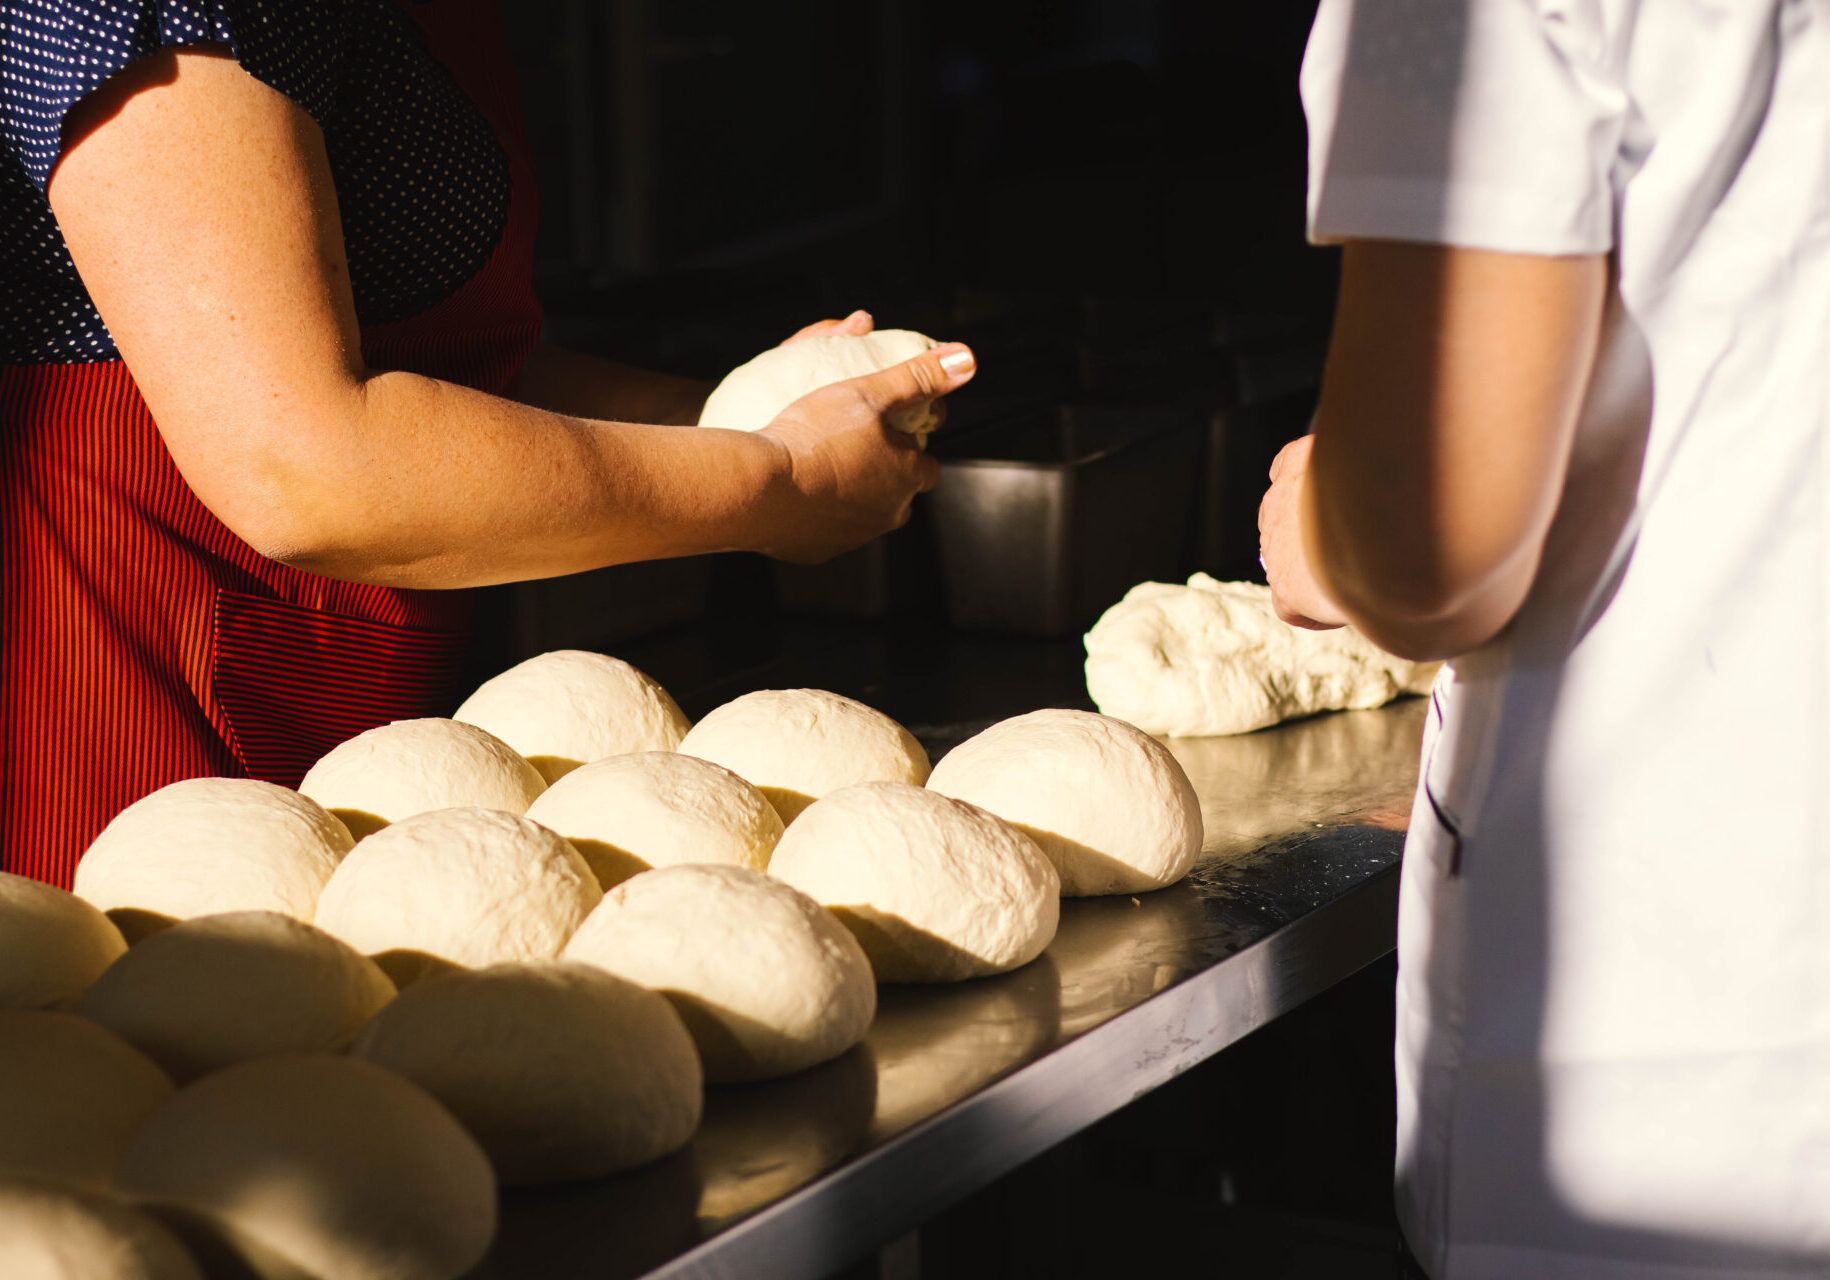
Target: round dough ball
71	1096
57	1233
52	945
468	886
1107	802
414	766
934	889
658	808
795	745
221	989
569	707
323	1164
767	980
559	1070
206	845
752	394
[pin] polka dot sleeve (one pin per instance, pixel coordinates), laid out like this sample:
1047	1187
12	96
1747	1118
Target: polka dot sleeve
53	53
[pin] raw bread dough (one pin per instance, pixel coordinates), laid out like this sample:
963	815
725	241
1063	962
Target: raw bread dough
206	845
470	886
767	980
413	766
559	1070
220	989
52	945
71	1096
657	808
752	394
49	1232
1106	802
934	889
1213	657
320	1164
796	745
568	707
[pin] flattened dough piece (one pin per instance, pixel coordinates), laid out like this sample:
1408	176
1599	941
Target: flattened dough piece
52	945
569	707
415	766
1107	803
752	394
1214	658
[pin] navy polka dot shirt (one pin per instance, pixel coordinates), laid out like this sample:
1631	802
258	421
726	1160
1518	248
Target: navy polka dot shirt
422	183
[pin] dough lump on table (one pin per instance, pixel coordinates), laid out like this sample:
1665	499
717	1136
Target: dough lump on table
50	1232
657	808
1214	658
1105	801
414	766
52	945
467	886
568	707
767	980
206	845
220	989
560	1070
322	1165
796	745
752	394
935	890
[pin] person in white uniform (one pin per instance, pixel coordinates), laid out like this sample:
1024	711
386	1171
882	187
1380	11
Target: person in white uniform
1572	436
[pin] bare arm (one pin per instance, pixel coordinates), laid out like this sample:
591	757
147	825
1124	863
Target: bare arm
228	296
591	387
1448	409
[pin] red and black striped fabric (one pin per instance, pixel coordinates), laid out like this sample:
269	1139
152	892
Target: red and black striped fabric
140	641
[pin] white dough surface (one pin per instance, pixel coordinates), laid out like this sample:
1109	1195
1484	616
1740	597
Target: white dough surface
220	989
767	980
322	1164
468	886
414	766
568	707
934	889
797	745
205	845
752	394
50	1232
560	1070
72	1095
52	945
1213	658
1109	805
656	809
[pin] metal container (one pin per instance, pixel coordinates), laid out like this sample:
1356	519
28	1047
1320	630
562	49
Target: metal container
1045	519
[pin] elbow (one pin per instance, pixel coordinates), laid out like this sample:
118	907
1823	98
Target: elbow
1424	617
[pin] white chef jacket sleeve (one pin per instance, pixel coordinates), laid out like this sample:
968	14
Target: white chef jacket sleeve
1484	124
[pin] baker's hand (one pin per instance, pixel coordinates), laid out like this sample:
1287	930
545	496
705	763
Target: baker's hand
855	325
1295	594
850	476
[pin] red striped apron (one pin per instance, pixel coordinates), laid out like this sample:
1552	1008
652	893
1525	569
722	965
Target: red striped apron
140	641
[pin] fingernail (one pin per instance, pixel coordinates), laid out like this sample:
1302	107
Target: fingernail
957	361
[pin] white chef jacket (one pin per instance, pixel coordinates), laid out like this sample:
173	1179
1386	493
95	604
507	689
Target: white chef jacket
1613	1045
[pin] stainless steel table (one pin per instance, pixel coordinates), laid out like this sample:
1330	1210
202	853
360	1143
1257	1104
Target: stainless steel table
958	1084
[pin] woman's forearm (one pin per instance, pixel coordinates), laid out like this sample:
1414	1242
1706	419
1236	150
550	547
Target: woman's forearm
585	386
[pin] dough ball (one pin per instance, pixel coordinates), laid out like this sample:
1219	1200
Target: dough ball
657	808
50	1232
1107	802
323	1164
767	980
1214	658
934	889
752	394
559	1070
796	745
206	845
413	766
568	707
71	1096
467	886
52	945
221	989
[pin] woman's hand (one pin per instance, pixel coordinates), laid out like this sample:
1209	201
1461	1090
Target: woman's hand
851	477
1295	593
855	325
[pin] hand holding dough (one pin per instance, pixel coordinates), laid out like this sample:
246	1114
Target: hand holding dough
752	394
